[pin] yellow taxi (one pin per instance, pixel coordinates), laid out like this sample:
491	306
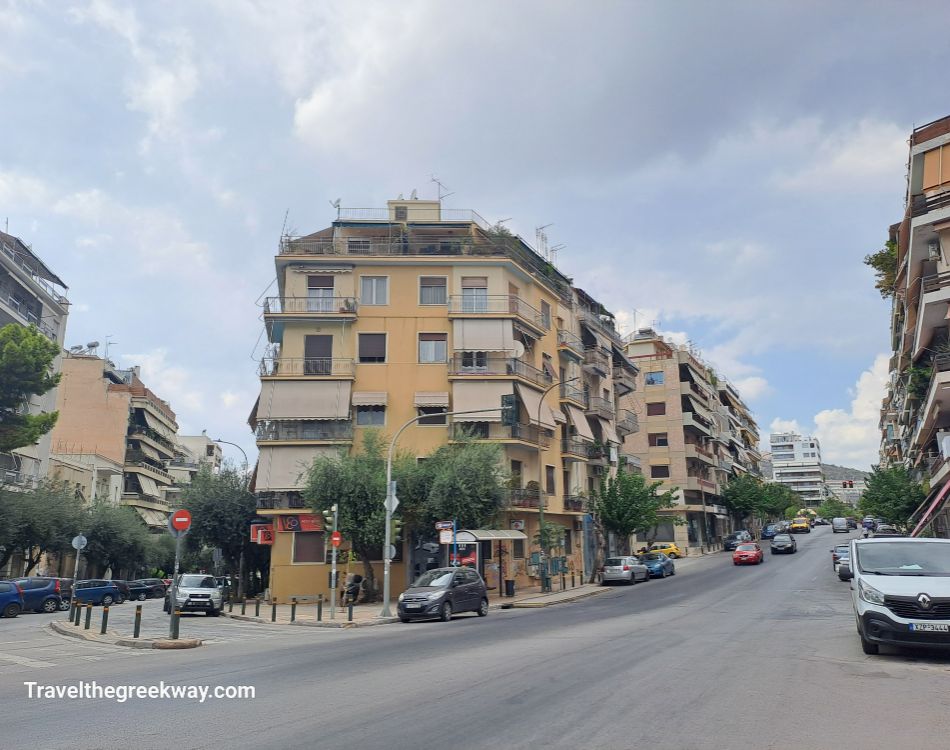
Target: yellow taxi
800	525
667	548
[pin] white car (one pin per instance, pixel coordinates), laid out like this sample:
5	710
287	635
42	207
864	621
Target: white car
196	592
626	569
900	588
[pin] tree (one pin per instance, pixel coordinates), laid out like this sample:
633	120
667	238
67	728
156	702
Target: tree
776	498
160	555
26	370
834	508
891	494
884	263
38	521
550	536
744	495
792	511
118	540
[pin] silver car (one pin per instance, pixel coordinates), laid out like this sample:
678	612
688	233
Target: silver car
626	569
196	592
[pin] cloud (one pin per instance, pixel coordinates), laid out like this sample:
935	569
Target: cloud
785	425
171	382
752	388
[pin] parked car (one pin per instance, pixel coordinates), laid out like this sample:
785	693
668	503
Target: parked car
138	591
626	569
900	591
11	599
96	591
800	526
840	524
822	522
123	587
659	565
784	544
770	530
731	541
40	594
884	529
667	548
748	553
852	522
837	552
196	592
441	592
154	587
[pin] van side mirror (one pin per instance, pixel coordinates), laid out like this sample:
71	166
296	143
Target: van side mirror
844	572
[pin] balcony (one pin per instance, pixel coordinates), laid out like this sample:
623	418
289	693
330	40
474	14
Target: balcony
631	462
18	479
305	431
523	497
131	464
701	454
698	484
598	452
599	406
463	365
602	324
575	503
570	392
692	420
322	367
573	449
596	360
29	316
311	307
570	344
627	422
25	264
495	431
138	499
141	432
689	388
500	306
922	204
624	381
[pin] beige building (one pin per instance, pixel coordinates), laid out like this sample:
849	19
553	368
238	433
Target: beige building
192	453
415	310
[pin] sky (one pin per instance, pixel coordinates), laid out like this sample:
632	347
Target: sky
716	170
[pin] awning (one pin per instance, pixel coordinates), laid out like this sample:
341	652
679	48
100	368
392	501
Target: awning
156	424
432	398
152	517
924	519
610	434
149	451
532	403
252	417
483	336
304	399
370	398
580	423
286	467
559	416
149	486
479	395
483	535
622	356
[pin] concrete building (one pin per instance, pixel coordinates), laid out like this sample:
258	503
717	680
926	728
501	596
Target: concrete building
30	294
796	463
109	418
412	310
696	433
192	453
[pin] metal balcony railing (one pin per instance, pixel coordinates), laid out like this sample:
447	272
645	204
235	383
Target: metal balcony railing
630	462
498	304
574	447
528	433
142	430
481	366
574	393
627	422
921	204
524	498
18	479
597	359
600	406
575	503
306	366
571	340
150	467
935	282
602	324
311	305
304	430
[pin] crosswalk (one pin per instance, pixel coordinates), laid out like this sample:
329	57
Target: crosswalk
42	649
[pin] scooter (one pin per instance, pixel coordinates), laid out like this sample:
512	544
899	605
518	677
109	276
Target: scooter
352	589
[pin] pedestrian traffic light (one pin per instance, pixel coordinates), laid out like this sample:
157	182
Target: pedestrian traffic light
509	410
395	530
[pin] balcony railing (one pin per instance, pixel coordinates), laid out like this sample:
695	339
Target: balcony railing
575	503
603	325
145	465
280	501
570	340
528	433
627	422
135	429
921	204
630	462
311	305
524	498
306	366
499	304
28	316
598	452
136	498
596	359
571	392
24	266
574	447
935	282
624	381
18	479
304	430
600	406
476	366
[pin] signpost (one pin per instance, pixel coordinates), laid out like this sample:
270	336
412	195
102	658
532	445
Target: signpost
447	535
335	539
179	524
79	544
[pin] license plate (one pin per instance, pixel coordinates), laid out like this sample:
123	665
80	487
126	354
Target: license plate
930	627
413	606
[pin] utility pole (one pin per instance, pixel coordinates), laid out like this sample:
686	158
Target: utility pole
247	479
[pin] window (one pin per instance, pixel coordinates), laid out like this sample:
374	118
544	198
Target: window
372	347
401	213
475	360
516	469
320	294
209	451
374	290
517	549
474	294
437	412
545	314
658	440
433	348
660	472
432	290
654	378
308	547
357	247
549	480
567	542
370	416
656	408
936	167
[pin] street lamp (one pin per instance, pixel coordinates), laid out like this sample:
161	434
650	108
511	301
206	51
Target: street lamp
227	442
246	480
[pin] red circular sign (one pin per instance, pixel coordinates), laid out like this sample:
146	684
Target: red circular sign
336	538
181	520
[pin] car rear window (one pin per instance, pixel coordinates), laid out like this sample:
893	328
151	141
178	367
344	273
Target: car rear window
5	588
746	547
614	561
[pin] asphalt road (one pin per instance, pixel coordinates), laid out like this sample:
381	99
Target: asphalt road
714	657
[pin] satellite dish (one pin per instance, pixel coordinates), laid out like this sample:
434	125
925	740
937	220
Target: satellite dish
92	344
518	348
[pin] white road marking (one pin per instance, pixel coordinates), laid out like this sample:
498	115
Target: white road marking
26	662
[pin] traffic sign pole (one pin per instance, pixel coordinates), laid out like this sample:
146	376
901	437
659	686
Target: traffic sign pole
336	511
179	523
79	543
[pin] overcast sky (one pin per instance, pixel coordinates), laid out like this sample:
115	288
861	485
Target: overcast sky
717	169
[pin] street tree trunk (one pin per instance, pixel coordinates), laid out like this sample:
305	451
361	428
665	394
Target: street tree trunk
600	550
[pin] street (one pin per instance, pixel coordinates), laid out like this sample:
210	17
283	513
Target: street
715	656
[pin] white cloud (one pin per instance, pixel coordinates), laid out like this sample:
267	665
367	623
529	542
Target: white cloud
169	381
753	387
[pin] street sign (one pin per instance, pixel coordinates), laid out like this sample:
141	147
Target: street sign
391	502
181	520
79	542
445	536
440	525
336	538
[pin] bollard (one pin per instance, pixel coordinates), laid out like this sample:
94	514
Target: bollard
319	607
78	613
105	621
563	581
257	606
293	609
230	606
273	611
138	621
88	616
72	609
176	617
243	605
349	613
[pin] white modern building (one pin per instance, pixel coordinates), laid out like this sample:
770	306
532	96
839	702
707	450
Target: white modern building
796	463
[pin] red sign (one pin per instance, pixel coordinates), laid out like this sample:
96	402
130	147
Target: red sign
336	538
262	533
181	520
303	522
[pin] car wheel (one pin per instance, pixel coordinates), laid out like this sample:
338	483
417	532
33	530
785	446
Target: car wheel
64	605
142	596
869	648
50	605
403	619
672	570
107	600
483	608
11	610
213	612
445	613
663	574
673	555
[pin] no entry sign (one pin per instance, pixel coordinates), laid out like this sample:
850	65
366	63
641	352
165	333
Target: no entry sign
179	522
336	538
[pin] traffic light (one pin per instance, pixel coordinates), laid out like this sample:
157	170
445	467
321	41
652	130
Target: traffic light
509	410
395	530
327	518
844	485
850	485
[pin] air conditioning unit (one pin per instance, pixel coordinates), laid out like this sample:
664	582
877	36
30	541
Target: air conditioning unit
517	525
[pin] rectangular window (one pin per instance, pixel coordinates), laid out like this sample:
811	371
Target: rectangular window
549	480
433	348
432	290
357	247
437	412
568	547
516	470
372	347
474	294
545	314
656	408
658	440
374	290
370	416
308	547
654	378
517	549
320	294
660	472
475	360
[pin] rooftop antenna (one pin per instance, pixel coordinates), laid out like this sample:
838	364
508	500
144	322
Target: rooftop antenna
283	227
541	240
554	251
442	187
336	205
109	342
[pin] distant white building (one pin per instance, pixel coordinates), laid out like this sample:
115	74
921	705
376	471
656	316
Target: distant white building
796	463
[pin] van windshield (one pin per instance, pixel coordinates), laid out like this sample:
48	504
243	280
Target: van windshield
904	558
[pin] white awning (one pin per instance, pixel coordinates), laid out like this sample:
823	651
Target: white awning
286	467
152	517
432	398
580	423
559	416
370	398
149	485
479	395
610	434
482	535
156	424
149	451
304	399
532	403
483	336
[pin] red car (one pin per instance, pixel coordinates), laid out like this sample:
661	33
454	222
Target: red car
748	553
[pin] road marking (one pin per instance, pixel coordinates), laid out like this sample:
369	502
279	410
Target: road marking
24	661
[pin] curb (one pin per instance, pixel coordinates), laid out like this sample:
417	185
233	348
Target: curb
114	640
313	624
531	604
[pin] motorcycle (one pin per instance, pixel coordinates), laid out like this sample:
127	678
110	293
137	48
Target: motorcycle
352	589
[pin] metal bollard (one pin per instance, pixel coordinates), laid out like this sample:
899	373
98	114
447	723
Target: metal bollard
257	607
243	606
319	607
78	614
72	609
293	609
230	606
176	622
349	613
88	616
572	579
137	627
273	611
105	621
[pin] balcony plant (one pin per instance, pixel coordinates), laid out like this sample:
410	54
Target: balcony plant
884	263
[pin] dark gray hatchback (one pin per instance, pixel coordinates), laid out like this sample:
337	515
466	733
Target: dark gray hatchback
441	592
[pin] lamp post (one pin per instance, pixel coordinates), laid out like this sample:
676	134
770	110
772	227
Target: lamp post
246	479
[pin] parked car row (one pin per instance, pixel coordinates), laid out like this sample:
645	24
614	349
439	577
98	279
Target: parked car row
634	568
48	594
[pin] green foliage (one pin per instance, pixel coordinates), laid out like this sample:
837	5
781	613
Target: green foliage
627	505
550	536
792	512
777	497
834	508
891	494
117	538
744	495
884	263
918	381
26	362
40	520
160	555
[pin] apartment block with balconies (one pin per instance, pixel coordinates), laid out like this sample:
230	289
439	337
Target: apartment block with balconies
796	463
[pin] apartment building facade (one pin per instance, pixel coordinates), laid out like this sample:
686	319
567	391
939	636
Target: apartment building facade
415	311
796	463
696	433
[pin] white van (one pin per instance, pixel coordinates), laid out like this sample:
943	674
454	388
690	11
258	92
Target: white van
839	524
900	589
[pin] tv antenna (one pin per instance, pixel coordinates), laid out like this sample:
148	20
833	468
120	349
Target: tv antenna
541	240
442	187
109	342
336	205
554	251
